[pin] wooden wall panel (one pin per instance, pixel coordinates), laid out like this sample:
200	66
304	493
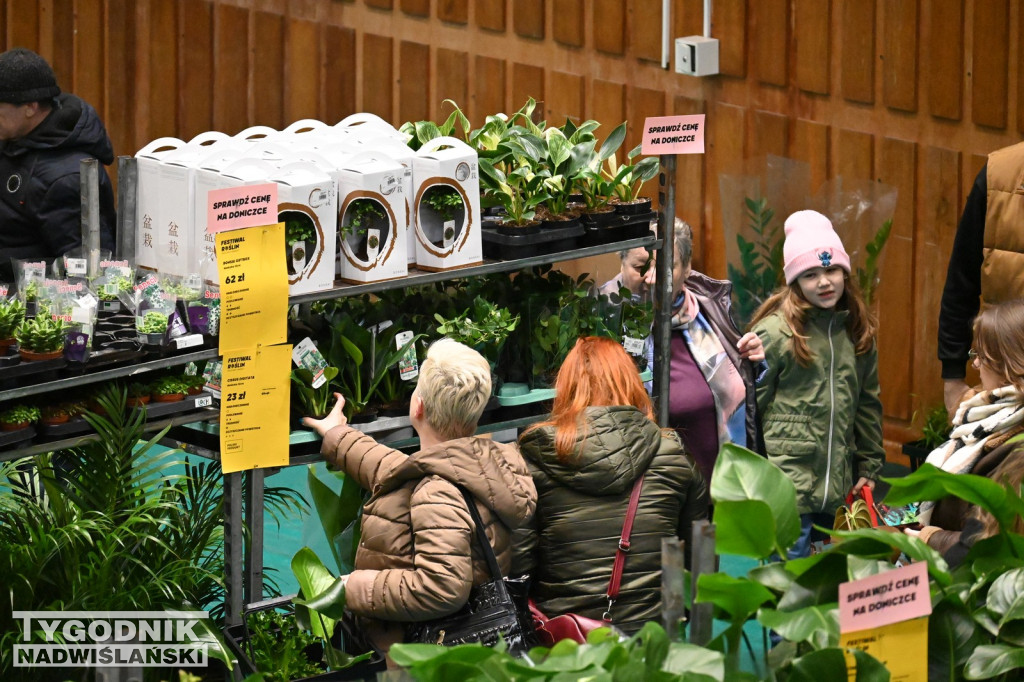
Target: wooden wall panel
58	44
527	81
897	168
771	29
608	18
489	89
813	42
121	78
729	24
688	20
608	106
565	99
641	103
1020	72
89	52
724	153
163	68
490	14
933	240
810	143
195	19
690	189
378	75
769	134
302	71
414	96
452	76
568	22
854	157
857	51
528	18
989	73
340	73
380	4
23	26
899	54
231	70
268	62
645	30
453	11
945	58
417	8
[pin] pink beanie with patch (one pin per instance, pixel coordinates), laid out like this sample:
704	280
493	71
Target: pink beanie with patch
810	243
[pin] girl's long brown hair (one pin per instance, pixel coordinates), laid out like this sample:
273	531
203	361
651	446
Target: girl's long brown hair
999	340
597	372
861	324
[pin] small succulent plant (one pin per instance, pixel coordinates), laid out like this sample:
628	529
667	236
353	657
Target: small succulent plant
12	313
41	334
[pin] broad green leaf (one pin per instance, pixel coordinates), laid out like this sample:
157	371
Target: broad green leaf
612	142
1006	596
745	528
313	578
858	567
743	475
870	541
800	625
952	636
869	668
932	483
774	576
989	660
816	587
689	659
824	664
738	597
330	602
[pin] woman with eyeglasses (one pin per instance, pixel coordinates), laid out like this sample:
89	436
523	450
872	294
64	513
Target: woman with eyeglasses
982	441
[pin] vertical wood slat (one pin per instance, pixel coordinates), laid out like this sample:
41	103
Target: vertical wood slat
899	63
417	8
528	18
23	24
378	76
1020	72
489	91
769	134
302	70
608	106
991	54
690	186
854	157
527	81
268	62
688	20
729	24
645	30
945	59
810	144
163	68
933	240
195	19
567	20
857	56
490	14
59	47
724	153
340	73
565	100
453	11
121	77
897	317
452	76
812	36
608	20
641	103
771	29
414	91
231	71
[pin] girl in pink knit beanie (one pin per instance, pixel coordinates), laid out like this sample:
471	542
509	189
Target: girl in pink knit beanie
819	400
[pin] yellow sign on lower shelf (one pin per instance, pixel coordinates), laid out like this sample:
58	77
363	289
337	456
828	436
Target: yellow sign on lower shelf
254	408
901	647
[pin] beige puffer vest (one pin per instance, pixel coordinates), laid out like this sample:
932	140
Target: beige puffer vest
1002	270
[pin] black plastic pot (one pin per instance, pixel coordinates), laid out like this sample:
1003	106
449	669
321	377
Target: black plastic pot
641	205
601	219
508	229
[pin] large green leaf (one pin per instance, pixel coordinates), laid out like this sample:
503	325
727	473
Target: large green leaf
952	636
774	576
738	597
869	668
872	541
1006	596
990	660
745	528
932	483
612	142
824	664
314	579
743	475
689	659
800	625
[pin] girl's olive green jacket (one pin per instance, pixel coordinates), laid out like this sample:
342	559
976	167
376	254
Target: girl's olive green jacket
822	424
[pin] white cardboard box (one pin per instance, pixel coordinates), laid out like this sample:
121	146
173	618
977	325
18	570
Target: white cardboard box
149	209
446	162
403	154
380	254
367	125
208	176
309	194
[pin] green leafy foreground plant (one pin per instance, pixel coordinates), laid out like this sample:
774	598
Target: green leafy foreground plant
360	216
20	414
484	328
760	270
444	200
12	313
152	323
42	334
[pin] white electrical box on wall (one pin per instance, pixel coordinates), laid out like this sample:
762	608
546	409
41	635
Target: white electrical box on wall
697	56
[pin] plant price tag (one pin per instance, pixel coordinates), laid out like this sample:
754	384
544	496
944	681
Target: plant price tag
408	367
188	341
633	346
305	354
75	266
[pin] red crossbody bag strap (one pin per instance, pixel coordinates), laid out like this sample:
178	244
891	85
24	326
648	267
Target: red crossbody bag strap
623	550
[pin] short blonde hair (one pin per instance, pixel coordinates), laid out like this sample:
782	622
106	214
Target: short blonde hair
454	385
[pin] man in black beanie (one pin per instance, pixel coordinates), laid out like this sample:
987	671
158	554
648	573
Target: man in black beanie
44	135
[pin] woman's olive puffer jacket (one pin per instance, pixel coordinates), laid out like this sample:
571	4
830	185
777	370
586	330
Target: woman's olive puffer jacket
569	548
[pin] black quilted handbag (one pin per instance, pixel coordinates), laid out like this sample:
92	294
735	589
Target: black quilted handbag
496	609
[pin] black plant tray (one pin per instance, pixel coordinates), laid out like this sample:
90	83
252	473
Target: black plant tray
23	369
8	438
631	227
511	247
72	427
105	359
190	402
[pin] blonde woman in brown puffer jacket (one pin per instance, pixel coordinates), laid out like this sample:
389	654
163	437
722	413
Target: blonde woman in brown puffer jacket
418	559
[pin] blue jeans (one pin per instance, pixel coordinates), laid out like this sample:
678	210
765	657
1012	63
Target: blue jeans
808	535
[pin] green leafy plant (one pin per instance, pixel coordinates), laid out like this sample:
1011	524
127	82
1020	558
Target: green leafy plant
360	216
169	385
20	414
867	276
628	178
115	285
520	187
484	327
422	132
299	228
42	334
152	323
637	315
31	291
12	313
444	200
936	427
760	270
313	402
279	648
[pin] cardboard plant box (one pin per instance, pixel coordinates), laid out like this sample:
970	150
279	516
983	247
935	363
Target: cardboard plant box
307	196
149	217
379	253
442	165
366	125
403	154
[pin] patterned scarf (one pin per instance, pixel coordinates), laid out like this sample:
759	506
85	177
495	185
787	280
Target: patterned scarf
723	378
979	421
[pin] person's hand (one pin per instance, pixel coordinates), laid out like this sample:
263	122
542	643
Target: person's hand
750	347
861	483
335	418
953	393
912	532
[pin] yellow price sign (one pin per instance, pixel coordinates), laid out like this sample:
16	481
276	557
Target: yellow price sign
901	647
254	408
253	287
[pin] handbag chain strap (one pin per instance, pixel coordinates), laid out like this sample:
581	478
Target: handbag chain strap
623	549
481	536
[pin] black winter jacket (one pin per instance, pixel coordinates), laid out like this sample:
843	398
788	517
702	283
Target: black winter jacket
569	547
40	209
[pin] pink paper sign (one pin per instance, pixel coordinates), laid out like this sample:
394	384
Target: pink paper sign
245	206
886	598
673	135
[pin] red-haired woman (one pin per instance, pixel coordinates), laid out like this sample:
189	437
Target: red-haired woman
585	459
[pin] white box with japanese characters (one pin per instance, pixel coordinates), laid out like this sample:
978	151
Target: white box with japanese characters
149	217
446	205
307	203
373	219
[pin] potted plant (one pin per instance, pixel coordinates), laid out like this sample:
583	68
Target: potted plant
52	415
18	417
138	394
12	313
168	389
195	383
519	192
446	203
41	338
484	328
151	328
299	237
627	180
363	219
934	433
313	402
637	318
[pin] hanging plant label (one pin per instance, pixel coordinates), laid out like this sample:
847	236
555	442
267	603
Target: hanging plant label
372	244
633	346
448	236
408	366
305	354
